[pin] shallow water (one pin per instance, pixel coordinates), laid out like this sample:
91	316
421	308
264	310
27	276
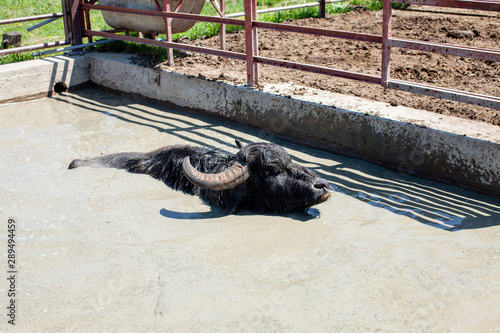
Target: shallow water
104	250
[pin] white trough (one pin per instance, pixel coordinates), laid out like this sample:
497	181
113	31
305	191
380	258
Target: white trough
134	22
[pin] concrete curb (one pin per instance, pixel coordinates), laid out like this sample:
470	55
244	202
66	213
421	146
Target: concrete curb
37	78
446	149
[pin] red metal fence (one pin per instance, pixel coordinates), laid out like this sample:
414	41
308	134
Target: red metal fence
78	17
454	50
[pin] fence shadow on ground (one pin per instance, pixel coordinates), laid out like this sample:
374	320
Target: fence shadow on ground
442	206
446	207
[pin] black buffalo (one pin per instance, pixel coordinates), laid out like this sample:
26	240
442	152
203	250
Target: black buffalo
261	177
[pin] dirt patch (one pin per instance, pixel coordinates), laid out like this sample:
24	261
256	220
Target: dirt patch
476	29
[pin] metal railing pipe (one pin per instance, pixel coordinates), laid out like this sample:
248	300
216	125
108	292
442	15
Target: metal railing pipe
178	46
454	50
319	31
478	5
33	47
31	18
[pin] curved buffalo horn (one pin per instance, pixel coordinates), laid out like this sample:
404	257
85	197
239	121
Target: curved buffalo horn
224	180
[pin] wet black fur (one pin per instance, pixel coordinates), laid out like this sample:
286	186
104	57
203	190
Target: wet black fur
276	183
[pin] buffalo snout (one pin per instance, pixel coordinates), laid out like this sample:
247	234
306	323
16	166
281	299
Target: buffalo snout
322	183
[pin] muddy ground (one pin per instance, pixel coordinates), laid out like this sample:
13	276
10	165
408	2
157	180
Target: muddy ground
477	29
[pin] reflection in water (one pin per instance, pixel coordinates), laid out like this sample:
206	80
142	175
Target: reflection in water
434	204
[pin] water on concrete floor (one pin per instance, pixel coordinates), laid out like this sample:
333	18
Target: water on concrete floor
105	250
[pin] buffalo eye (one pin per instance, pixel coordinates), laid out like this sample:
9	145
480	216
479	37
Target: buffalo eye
270	171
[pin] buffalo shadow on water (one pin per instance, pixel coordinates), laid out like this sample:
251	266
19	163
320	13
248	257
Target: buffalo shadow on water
216	212
442	206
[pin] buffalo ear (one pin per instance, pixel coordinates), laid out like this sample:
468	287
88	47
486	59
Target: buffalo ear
239	143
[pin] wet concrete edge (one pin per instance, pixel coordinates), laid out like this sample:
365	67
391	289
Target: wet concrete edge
416	148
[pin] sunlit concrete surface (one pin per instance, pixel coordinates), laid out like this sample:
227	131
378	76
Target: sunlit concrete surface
104	250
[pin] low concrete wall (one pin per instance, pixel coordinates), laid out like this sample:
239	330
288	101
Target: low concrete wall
37	78
419	143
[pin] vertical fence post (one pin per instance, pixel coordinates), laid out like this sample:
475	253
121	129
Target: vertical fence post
168	25
322	8
76	22
386	49
223	26
255	42
86	15
67	20
249	42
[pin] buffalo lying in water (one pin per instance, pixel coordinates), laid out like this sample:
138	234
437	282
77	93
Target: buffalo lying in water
261	177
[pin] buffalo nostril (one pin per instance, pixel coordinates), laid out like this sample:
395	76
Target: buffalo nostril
322	183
